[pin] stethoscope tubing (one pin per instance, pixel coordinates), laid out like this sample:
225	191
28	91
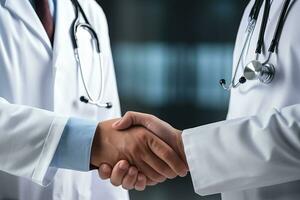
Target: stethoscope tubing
75	26
250	29
100	95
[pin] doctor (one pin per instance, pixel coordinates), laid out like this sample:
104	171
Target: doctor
56	62
255	153
33	73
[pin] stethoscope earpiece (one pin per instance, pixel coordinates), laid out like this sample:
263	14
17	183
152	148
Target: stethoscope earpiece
242	80
222	82
83	99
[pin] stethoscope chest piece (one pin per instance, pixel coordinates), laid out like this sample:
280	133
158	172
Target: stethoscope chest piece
255	70
263	72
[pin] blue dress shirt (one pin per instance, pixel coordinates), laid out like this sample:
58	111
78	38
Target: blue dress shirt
74	149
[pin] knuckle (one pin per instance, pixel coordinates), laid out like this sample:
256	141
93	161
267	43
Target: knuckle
137	154
152	117
165	169
129	113
148	124
137	150
142	134
135	147
167	154
133	171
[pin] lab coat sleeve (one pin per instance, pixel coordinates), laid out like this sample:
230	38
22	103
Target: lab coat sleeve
28	141
245	153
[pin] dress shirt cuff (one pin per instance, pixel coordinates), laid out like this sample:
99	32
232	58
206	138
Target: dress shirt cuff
74	149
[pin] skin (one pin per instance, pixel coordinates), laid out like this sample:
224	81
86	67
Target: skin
128	175
154	160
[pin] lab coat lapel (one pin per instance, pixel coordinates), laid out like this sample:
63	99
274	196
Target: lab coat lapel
62	39
23	10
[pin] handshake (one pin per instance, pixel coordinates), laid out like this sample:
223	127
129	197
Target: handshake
138	150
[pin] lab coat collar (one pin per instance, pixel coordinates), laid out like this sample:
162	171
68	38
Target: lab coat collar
23	10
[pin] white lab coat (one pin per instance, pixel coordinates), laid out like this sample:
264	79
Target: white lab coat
33	74
255	154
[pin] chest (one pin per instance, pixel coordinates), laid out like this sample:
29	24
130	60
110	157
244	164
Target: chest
255	97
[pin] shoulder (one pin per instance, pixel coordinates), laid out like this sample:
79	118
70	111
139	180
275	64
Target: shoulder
94	12
92	6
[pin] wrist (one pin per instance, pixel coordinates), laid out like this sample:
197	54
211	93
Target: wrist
95	159
105	145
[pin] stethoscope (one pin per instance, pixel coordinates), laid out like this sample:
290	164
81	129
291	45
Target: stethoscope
265	71
76	25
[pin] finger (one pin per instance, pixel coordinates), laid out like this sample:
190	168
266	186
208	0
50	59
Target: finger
105	171
130	178
168	155
141	182
151	182
159	166
150	172
118	173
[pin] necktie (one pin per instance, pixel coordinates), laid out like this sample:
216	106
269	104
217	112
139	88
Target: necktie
43	11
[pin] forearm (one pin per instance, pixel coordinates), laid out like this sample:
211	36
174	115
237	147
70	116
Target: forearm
28	140
245	153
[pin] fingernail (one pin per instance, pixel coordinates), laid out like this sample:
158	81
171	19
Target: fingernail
140	189
123	166
117	123
105	169
183	174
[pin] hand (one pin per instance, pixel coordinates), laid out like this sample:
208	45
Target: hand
122	176
160	128
152	157
125	175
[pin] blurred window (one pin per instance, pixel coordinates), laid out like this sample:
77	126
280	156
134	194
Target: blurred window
157	74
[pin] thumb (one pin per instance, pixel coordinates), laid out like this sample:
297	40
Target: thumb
158	127
128	120
123	123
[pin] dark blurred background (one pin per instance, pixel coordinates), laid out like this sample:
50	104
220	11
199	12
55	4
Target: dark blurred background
169	56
